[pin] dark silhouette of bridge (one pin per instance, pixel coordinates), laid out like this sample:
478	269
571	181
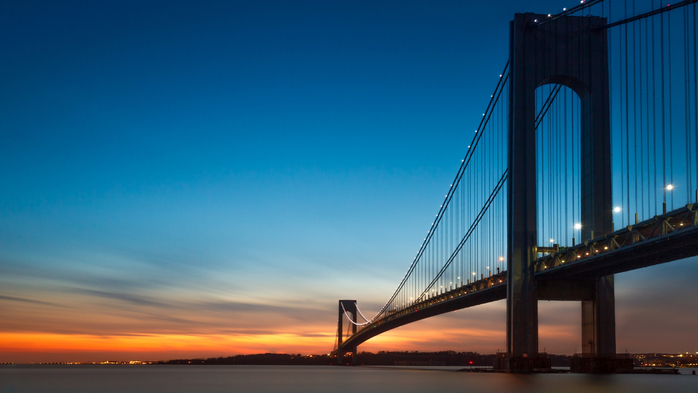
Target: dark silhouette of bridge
547	138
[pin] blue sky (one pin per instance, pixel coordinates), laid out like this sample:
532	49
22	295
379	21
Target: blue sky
234	168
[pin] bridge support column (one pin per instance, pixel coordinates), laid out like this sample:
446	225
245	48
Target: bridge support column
570	51
350	307
599	333
599	320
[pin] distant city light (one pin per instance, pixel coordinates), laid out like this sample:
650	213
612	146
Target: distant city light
501	258
552	240
616	209
577	226
670	187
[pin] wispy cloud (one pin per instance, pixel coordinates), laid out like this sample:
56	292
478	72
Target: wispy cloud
19	299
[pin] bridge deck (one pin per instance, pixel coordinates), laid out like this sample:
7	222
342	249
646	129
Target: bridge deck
480	292
664	238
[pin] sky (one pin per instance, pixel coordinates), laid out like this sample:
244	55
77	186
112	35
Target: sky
203	179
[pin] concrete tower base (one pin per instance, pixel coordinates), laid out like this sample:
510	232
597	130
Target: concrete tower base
504	362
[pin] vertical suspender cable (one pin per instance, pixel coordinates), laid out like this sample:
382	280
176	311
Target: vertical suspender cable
627	123
640	117
647	100
654	117
687	104
635	115
695	88
663	114
671	139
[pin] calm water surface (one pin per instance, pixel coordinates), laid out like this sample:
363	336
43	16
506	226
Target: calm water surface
302	379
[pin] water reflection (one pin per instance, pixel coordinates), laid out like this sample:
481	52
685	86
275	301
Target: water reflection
310	379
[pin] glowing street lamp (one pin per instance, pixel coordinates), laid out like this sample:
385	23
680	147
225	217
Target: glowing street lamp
616	209
578	226
669	187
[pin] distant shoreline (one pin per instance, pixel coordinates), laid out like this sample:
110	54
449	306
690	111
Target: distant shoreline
383	358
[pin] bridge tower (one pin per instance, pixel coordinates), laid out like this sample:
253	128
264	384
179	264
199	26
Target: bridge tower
350	307
570	51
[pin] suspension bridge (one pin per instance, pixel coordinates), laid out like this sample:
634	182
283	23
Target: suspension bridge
584	165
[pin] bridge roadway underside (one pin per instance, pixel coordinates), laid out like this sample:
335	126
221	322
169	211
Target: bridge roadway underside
569	281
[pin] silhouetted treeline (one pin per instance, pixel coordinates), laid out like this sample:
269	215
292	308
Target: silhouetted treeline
443	358
265	359
382	358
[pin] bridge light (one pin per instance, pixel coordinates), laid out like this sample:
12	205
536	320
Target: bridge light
578	226
616	209
670	187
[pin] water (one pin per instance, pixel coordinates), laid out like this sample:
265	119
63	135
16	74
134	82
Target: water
325	379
